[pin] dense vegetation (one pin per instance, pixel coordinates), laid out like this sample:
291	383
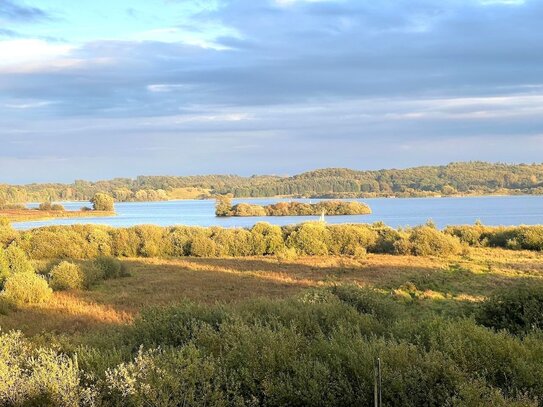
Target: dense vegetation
455	178
311	238
315	347
224	208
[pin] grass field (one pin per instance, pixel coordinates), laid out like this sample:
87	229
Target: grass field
443	285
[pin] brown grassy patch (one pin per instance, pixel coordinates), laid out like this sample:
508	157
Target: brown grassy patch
445	281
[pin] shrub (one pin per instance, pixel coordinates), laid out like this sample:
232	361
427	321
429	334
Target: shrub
55	242
31	376
110	266
151	241
203	246
26	288
311	238
103	202
66	276
44	206
4	267
7	233
518	309
266	239
17	260
48	206
286	254
232	242
391	241
428	241
470	235
124	242
92	274
351	240
181	377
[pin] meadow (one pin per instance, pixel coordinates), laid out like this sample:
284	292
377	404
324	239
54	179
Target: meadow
150	316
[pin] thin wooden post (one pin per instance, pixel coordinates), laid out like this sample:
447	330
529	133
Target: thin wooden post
377	384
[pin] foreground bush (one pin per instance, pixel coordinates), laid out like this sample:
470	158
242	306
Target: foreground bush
32	376
66	276
26	288
518	310
315	349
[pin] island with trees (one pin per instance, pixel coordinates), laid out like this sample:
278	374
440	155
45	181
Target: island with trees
225	208
102	205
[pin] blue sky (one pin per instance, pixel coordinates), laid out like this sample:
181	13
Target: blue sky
99	89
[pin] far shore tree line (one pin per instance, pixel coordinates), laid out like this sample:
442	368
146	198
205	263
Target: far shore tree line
469	178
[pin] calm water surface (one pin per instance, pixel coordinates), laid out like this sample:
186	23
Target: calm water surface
491	210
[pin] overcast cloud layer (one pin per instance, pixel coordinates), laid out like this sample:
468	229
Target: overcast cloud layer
129	87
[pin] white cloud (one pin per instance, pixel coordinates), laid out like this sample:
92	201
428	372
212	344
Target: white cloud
21	51
29	104
165	88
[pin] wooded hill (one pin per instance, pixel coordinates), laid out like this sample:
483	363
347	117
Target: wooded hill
452	179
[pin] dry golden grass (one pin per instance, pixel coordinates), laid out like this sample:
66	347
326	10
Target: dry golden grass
209	280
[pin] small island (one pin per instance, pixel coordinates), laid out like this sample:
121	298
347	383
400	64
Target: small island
102	205
224	208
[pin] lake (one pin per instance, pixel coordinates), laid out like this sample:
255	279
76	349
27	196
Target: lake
491	210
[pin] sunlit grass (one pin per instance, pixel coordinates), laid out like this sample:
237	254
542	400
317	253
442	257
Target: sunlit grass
433	282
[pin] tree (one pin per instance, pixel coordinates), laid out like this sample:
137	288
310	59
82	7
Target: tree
223	206
103	202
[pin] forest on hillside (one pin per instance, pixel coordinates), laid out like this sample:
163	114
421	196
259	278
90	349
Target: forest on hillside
452	179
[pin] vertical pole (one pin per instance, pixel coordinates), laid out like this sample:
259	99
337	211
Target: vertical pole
375	385
380	382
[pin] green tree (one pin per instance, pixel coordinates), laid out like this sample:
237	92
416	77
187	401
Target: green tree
103	202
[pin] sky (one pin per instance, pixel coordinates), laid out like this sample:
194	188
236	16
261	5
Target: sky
96	89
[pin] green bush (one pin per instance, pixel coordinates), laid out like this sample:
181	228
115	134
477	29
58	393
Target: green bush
66	276
7	233
351	239
17	260
26	288
231	242
391	241
92	274
267	239
31	376
203	246
311	238
4	267
181	377
428	241
518	309
110	266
